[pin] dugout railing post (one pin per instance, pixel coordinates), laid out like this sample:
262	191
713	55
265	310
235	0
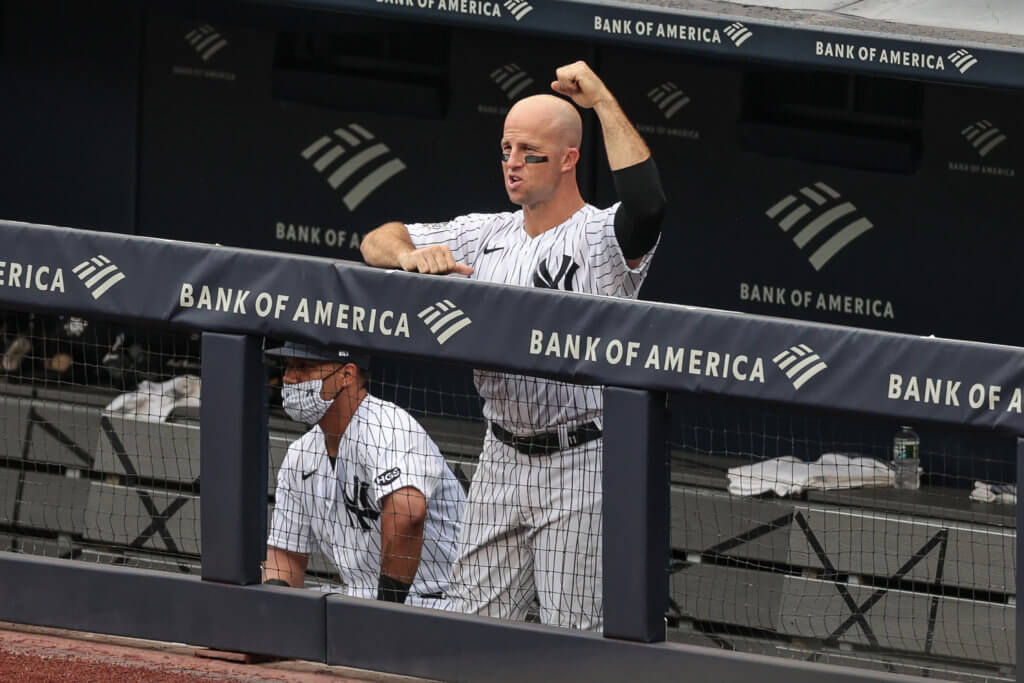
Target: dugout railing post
635	514
1018	612
233	461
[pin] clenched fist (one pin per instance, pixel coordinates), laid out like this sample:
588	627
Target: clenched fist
578	82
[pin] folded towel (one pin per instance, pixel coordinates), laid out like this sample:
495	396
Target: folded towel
994	493
154	401
789	475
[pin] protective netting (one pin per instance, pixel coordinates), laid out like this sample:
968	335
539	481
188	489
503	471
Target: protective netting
512	524
789	536
99	449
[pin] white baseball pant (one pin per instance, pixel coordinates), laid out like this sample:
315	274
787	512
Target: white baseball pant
532	524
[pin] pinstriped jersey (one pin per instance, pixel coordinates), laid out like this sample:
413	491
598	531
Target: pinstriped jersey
382	450
580	255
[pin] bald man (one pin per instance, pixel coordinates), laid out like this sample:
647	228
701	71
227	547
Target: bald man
532	525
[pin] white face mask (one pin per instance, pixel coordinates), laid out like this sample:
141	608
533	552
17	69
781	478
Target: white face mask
303	401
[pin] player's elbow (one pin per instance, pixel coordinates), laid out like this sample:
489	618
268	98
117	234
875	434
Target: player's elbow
647	216
642	209
374	243
409	507
368	243
416	517
638	233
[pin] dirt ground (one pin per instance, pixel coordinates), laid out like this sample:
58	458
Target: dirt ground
29	653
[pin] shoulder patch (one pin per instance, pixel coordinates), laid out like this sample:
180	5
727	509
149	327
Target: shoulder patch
385	478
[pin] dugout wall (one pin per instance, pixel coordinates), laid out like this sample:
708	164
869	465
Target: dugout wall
164	286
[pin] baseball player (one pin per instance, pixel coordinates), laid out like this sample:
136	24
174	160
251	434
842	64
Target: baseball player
533	520
366	483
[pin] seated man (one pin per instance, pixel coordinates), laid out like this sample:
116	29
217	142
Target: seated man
366	483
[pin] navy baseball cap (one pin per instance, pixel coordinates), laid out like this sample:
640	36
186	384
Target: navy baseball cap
328	354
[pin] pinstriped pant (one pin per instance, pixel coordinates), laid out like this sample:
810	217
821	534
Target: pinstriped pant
532	526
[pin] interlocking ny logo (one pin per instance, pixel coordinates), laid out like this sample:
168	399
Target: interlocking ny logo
800	363
98	274
511	79
444	319
669	98
566	271
983	136
962	59
206	41
357	506
352	168
738	33
821	214
518	8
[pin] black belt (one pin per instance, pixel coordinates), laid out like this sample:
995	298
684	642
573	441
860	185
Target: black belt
548	442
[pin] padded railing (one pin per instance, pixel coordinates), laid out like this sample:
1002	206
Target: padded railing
637	350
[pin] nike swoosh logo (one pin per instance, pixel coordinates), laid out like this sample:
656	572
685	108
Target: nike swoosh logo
492	250
307	475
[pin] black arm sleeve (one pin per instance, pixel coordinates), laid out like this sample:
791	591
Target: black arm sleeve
638	218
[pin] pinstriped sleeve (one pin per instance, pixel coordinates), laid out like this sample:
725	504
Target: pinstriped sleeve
289	526
408	457
461	235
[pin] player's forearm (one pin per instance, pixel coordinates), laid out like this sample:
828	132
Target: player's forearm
400	552
285	566
622	142
383	246
403	516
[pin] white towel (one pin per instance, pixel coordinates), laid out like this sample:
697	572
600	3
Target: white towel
994	493
790	475
154	401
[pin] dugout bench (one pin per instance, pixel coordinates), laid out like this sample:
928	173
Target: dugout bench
911	577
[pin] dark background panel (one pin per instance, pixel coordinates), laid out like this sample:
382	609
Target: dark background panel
233	162
692	145
207	57
69	74
940	255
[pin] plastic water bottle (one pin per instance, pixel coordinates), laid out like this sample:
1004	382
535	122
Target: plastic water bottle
906	459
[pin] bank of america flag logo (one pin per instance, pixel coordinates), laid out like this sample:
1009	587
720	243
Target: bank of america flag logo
983	136
206	41
353	158
738	33
518	8
444	319
962	60
820	215
669	98
800	363
98	274
511	79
